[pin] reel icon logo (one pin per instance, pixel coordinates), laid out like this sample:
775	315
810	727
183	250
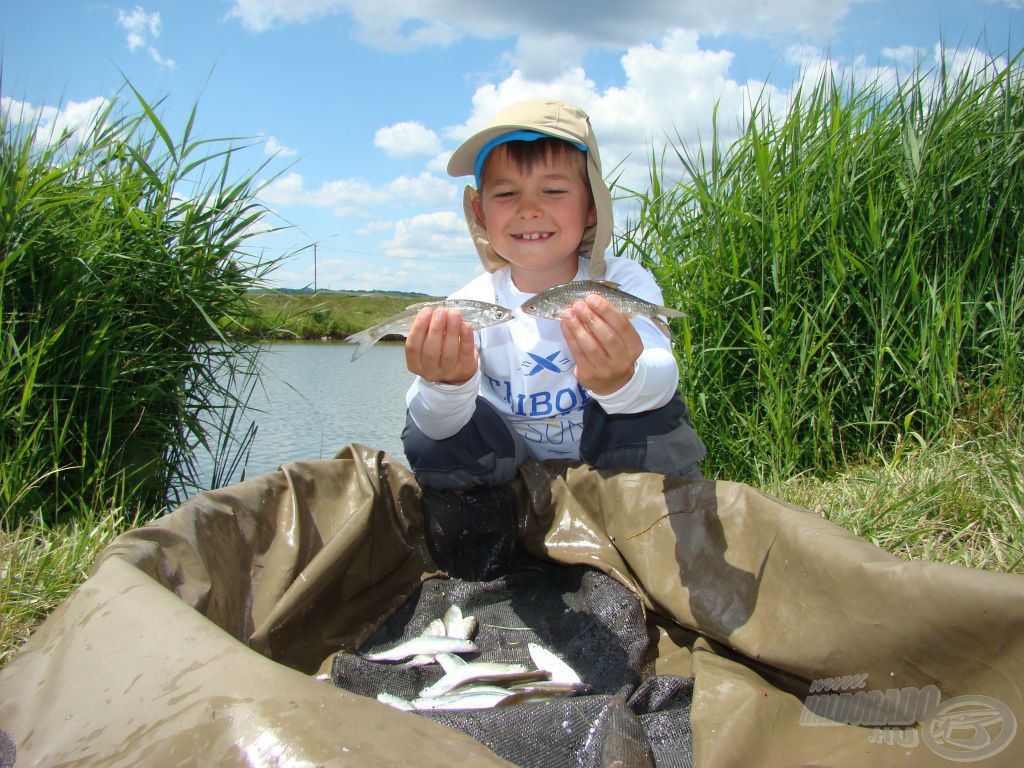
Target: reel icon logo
969	728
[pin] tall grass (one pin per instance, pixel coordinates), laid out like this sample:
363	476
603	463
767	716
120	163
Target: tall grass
119	248
852	269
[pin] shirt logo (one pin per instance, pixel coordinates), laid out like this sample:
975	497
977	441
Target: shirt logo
536	363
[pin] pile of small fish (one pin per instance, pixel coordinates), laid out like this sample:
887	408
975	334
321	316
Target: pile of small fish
476	684
550	304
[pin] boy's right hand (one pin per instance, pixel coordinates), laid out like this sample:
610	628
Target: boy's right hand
440	347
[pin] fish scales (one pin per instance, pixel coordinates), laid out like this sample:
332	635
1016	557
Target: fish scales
479	314
552	302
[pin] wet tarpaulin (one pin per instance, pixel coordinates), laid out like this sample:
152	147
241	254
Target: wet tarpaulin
198	640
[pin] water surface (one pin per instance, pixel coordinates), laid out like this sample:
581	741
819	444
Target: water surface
312	401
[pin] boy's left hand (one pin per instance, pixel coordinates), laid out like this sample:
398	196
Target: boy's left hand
603	341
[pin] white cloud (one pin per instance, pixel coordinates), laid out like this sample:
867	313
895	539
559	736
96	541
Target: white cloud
74	118
357	197
904	55
407	139
141	30
272	147
425	189
969	62
442	235
374	226
551	36
670	93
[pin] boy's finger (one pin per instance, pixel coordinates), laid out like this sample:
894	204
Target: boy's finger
450	344
415	338
607	311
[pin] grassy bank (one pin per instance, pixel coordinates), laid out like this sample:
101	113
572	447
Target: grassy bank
118	244
295	314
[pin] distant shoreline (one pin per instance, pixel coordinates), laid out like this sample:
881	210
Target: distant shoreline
289	314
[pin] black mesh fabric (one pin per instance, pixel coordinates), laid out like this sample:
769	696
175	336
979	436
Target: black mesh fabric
592	622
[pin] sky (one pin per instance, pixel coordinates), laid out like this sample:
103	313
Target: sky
347	110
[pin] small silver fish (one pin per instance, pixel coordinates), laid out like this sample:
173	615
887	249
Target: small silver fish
559	671
478	314
482	672
474	697
457	625
553	301
543	689
422	646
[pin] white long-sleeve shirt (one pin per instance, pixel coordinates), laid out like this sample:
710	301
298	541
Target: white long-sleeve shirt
526	370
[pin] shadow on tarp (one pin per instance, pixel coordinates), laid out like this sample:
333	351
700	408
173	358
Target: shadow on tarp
198	637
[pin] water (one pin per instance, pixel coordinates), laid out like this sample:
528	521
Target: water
312	401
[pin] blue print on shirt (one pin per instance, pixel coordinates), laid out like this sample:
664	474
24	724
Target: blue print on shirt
546	363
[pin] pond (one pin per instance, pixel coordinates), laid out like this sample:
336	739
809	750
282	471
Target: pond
311	401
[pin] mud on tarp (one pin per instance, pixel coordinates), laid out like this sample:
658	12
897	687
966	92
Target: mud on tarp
198	639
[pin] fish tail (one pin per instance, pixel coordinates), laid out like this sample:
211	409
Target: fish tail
365	340
669	312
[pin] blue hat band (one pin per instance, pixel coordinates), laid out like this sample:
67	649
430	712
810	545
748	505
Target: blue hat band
481	156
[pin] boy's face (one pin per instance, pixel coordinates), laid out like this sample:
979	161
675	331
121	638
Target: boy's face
535	218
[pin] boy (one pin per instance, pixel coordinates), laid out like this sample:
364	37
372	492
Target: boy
595	385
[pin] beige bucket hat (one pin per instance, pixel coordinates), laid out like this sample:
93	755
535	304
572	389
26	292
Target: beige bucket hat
552	118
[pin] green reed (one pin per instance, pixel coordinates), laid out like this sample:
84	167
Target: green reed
851	269
120	249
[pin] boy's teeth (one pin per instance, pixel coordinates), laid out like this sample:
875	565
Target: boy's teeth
532	236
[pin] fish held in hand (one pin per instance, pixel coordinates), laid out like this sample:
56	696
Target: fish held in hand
554	301
479	314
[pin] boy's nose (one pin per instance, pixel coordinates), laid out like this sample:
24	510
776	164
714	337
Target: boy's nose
529	207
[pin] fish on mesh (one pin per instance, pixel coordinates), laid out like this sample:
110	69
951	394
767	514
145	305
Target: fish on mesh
471	697
423	645
453	624
554	301
479	314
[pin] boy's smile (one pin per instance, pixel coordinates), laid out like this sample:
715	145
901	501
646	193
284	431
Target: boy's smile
535	218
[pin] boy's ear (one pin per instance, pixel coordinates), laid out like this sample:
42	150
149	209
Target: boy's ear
591	215
478	209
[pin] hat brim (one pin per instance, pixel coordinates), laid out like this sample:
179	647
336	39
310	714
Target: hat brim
463	160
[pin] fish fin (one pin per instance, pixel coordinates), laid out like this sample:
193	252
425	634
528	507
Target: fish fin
421	304
449	661
669	312
364	339
420	661
608	283
663	327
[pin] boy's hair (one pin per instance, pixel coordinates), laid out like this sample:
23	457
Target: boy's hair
524	155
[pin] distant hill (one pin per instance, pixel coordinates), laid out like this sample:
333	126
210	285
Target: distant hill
329	292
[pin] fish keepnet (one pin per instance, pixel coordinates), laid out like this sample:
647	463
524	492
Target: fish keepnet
725	620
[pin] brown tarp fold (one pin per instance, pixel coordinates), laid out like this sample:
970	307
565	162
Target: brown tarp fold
198	638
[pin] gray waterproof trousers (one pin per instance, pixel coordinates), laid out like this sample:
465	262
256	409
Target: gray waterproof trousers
487	451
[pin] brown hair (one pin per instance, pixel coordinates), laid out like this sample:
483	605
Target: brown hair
526	154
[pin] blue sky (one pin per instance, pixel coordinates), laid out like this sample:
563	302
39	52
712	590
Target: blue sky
356	105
